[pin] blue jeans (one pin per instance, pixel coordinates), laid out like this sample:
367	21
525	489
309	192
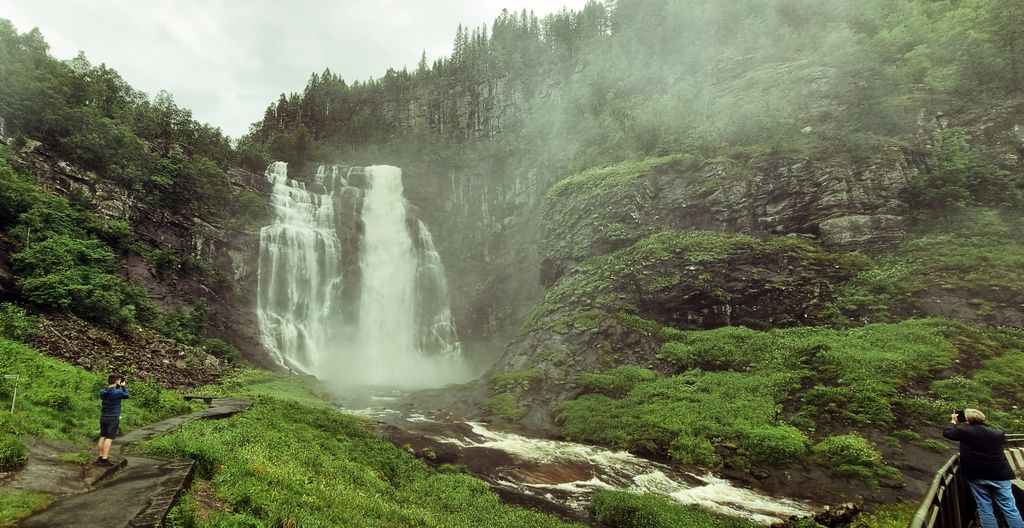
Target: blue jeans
988	491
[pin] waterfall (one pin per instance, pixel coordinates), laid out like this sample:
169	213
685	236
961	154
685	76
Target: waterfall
351	288
299	275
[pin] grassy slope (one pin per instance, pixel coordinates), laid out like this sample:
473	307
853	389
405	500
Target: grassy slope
58	401
290	459
293	461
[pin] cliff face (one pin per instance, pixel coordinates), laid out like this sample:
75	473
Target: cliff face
485	218
226	279
843	205
7	288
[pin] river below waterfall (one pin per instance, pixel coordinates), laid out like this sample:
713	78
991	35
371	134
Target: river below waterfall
559	476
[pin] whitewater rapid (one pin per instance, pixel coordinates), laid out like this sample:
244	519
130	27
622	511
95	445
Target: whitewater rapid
567	474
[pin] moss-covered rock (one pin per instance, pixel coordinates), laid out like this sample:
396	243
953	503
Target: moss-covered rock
852	455
698	280
968	265
844	204
505	405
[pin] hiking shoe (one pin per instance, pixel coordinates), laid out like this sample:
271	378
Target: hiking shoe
103	462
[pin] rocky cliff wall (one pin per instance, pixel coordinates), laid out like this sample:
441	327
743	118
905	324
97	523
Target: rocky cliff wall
485	219
841	204
226	278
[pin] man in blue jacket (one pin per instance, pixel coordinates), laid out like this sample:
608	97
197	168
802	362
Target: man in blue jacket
110	416
983	462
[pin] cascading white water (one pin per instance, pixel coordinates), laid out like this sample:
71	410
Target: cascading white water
436	324
399	280
387	310
381	317
299	275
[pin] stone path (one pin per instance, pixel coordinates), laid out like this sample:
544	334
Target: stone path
143	490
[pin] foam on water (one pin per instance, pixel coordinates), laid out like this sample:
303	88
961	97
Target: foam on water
619	469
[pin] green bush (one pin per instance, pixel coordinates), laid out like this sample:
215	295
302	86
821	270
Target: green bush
852	455
687	449
886	516
623	509
962	177
184	324
505	405
13	452
617	382
221	350
16	323
18	193
775	445
66	273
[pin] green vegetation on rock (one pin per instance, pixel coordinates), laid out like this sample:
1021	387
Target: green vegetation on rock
520	379
974	256
601	181
622	509
506	405
852	455
760	396
703	265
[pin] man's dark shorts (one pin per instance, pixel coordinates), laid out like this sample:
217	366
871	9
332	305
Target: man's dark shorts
109	425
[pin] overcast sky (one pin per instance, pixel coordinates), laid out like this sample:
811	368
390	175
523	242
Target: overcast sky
227	60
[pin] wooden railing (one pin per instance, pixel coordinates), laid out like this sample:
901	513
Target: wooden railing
949	503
